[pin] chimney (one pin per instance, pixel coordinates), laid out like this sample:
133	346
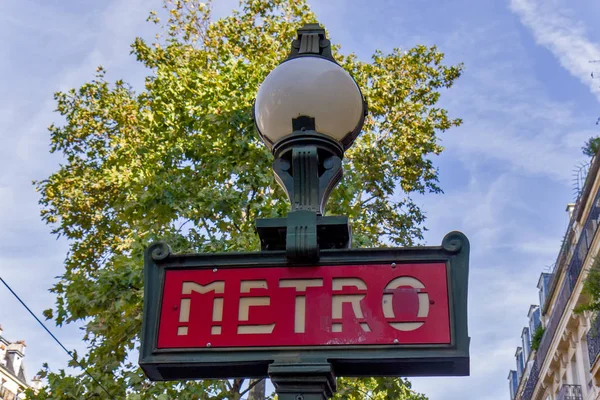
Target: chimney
16	352
570	209
36	383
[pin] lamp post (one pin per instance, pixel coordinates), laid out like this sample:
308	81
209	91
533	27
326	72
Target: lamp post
308	111
307	304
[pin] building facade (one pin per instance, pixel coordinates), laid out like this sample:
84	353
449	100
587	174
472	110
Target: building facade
565	365
13	380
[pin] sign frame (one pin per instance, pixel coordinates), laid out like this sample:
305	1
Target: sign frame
346	360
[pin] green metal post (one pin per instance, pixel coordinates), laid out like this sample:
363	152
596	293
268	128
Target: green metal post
308	177
303	381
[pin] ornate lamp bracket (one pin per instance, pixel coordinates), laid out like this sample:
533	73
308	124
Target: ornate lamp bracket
311	42
307	165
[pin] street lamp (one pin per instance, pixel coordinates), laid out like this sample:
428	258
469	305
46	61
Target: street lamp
284	314
308	111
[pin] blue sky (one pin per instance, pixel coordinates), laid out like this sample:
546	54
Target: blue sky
526	97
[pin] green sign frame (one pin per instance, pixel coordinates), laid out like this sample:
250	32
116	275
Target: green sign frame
354	361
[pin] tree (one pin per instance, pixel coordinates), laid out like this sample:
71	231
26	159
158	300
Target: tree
591	146
179	161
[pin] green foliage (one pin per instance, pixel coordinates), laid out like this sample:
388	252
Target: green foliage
591	289
537	337
376	389
591	147
180	161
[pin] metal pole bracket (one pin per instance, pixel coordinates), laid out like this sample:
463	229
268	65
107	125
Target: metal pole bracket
304	381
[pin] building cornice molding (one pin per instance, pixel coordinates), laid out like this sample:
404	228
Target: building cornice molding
15	378
15	351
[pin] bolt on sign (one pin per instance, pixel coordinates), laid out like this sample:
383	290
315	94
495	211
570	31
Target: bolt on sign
368	312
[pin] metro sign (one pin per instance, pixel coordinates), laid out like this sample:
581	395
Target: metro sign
368	312
329	305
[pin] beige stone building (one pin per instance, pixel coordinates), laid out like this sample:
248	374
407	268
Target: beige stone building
566	365
13	380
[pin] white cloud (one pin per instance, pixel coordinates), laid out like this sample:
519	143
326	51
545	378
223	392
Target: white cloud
51	49
509	249
556	29
506	174
498	308
508	113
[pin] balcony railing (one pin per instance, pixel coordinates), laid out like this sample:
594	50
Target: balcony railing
559	307
566	289
531	381
593	340
560	260
570	392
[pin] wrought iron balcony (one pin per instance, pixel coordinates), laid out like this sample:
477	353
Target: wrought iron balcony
570	392
531	381
593	340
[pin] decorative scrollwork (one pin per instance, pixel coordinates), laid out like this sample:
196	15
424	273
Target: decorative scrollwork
454	241
159	251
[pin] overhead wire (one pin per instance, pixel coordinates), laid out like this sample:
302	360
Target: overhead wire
55	338
71	354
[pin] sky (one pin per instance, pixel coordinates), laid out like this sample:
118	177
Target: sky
527	99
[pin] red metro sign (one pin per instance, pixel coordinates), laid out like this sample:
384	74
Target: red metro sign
364	312
300	306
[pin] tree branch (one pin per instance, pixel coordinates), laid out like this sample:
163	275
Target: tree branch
211	236
237	385
368	200
256	382
252	196
182	225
